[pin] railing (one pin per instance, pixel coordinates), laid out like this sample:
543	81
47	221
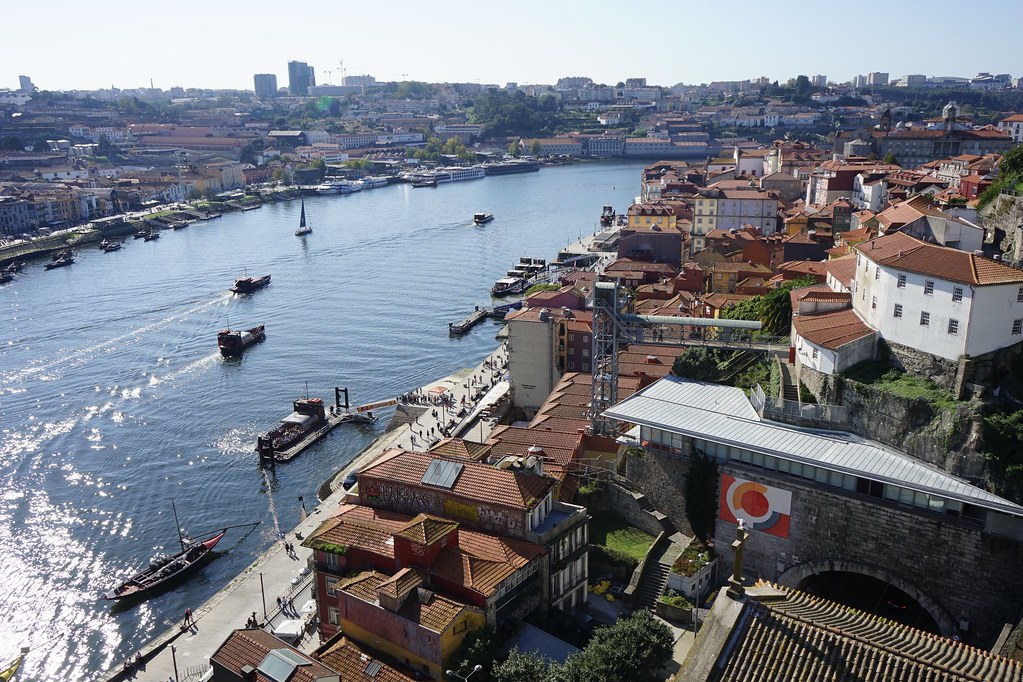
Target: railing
799	414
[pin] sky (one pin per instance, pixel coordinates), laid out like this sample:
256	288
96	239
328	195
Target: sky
221	43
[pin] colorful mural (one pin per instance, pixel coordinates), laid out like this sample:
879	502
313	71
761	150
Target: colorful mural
762	507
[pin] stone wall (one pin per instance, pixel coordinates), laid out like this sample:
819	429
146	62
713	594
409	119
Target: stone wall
1004	217
626	504
663	480
968	574
939	370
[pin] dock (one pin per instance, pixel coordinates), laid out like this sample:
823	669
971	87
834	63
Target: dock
474	318
312	409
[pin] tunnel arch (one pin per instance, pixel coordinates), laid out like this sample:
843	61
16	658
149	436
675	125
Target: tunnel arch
795	575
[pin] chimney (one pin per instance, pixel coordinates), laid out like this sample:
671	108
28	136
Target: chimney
535	460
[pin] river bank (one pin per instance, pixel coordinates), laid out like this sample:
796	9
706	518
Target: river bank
275	573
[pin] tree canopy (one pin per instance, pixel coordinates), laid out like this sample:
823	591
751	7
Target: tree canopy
503	113
634	648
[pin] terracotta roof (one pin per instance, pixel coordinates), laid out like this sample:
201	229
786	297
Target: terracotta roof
356	664
426	530
809	267
401	582
457	448
250	647
476	481
831	330
721	300
482	562
800	637
902	252
438	612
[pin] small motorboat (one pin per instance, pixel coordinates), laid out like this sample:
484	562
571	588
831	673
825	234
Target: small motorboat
153	234
246	285
233	342
111	246
482	218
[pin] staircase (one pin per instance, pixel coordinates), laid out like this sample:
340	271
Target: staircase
652	584
789	390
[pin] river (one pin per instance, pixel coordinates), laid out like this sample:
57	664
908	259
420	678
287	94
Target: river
114	401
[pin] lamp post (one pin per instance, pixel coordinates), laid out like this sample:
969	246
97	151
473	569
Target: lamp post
174	660
262	594
475	670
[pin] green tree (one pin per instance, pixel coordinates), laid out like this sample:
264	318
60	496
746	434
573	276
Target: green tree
521	666
743	310
634	648
1003	432
697	363
890	158
513	148
776	311
478	648
536	288
11	143
534	148
41	146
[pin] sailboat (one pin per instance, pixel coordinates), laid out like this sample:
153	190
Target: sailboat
303	228
11	669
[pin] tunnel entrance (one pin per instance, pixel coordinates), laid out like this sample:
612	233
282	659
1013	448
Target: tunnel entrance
871	595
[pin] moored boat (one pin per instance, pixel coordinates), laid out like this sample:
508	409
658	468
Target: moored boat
246	285
482	218
111	246
153	234
232	341
508	285
163	569
60	260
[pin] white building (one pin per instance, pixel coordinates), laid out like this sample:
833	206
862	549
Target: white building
1014	126
942	301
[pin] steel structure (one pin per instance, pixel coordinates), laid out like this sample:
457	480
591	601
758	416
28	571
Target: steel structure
611	327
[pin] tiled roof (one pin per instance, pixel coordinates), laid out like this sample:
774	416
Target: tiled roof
801	637
436	614
476	481
359	665
426	530
902	252
250	647
400	583
461	449
831	330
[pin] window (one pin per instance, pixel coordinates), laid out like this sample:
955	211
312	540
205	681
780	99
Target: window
461	626
1017	326
928	288
957	293
334	615
898	310
332	585
925	319
902	282
873	303
877	272
814	353
953	326
1019	295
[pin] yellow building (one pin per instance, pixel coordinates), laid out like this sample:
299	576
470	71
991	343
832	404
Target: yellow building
651	214
399	616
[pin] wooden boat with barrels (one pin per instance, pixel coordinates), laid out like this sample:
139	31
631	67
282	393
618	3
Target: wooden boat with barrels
164	569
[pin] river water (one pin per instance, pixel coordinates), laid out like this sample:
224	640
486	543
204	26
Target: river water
114	401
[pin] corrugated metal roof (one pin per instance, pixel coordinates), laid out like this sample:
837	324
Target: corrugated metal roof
723	414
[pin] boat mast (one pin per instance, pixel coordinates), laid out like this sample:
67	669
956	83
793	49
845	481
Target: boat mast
177	525
301	222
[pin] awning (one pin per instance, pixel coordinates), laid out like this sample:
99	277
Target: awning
296	418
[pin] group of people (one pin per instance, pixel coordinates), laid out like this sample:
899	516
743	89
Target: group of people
133	664
287	607
290	549
252	621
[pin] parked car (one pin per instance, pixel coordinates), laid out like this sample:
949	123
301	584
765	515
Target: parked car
351	479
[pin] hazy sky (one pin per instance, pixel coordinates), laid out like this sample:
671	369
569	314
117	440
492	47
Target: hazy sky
220	44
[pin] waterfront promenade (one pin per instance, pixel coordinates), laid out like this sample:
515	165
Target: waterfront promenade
182	654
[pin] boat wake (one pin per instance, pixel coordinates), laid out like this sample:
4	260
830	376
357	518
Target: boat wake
51	370
269	486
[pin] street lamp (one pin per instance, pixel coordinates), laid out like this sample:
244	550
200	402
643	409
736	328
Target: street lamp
174	658
475	670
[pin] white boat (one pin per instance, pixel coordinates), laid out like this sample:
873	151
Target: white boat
372	182
328	187
458	173
303	227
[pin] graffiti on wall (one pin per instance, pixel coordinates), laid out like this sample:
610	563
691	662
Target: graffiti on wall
406	498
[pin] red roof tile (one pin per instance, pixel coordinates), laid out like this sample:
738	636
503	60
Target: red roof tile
831	330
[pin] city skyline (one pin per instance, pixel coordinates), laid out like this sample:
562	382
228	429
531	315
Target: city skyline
221	46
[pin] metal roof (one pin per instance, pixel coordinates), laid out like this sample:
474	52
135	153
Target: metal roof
695	321
723	414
